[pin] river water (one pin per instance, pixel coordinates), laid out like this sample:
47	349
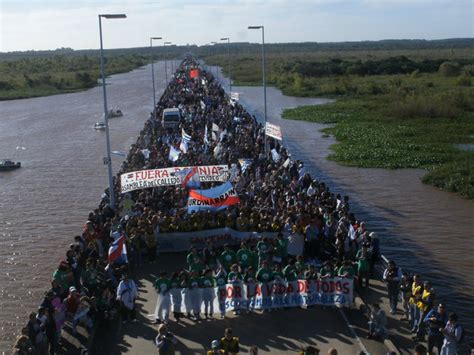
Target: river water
44	204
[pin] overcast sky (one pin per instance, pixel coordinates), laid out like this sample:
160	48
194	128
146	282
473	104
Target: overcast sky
51	24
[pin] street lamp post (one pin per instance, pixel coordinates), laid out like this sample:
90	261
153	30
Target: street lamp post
153	74
166	63
264	84
228	58
217	67
108	160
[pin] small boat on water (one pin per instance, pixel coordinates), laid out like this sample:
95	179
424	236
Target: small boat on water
8	164
99	126
115	113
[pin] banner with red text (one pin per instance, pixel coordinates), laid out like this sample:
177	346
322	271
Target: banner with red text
261	296
274	131
143	179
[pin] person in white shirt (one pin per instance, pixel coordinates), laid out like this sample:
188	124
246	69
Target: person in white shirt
452	335
377	323
127	293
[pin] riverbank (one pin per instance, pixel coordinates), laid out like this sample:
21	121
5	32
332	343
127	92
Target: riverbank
368	137
59	74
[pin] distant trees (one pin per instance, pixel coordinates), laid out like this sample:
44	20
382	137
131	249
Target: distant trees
449	69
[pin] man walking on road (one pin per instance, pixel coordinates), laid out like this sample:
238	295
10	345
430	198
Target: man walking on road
392	276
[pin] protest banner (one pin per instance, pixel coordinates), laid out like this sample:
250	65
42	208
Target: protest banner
214	199
262	296
143	179
182	241
273	131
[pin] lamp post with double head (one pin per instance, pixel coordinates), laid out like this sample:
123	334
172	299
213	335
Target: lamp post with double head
107	160
263	79
153	74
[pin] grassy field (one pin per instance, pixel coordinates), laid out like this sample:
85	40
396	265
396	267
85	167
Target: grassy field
393	109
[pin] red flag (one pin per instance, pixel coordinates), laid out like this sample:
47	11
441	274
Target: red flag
194	73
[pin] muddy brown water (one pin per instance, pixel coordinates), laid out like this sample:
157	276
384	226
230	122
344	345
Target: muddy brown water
44	204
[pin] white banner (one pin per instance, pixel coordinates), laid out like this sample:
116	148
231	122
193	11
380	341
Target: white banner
273	131
257	296
182	241
143	179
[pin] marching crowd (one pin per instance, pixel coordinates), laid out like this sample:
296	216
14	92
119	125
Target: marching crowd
318	236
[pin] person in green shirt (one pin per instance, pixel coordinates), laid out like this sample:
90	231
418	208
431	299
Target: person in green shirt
227	257
265	273
197	265
208	293
90	277
243	256
162	286
327	271
346	270
250	280
311	273
362	258
221	283
176	296
278	273
235	277
290	271
194	283
264	248
253	258
249	276
276	252
193	257
265	276
300	265
283	244
63	275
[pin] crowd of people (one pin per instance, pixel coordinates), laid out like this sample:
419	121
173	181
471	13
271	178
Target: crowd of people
318	236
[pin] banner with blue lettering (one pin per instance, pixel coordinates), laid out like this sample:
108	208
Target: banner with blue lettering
261	296
214	199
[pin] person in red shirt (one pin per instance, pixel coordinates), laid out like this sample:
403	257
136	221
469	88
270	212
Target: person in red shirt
72	301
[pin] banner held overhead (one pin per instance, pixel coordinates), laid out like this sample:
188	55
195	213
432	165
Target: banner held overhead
273	131
143	179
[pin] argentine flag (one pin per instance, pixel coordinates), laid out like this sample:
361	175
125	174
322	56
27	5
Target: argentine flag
118	252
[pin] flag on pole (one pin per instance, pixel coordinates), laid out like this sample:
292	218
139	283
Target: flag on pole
174	154
185	139
118	251
275	155
206	138
245	163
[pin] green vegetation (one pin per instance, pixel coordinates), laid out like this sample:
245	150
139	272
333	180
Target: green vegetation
401	128
394	107
40	76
